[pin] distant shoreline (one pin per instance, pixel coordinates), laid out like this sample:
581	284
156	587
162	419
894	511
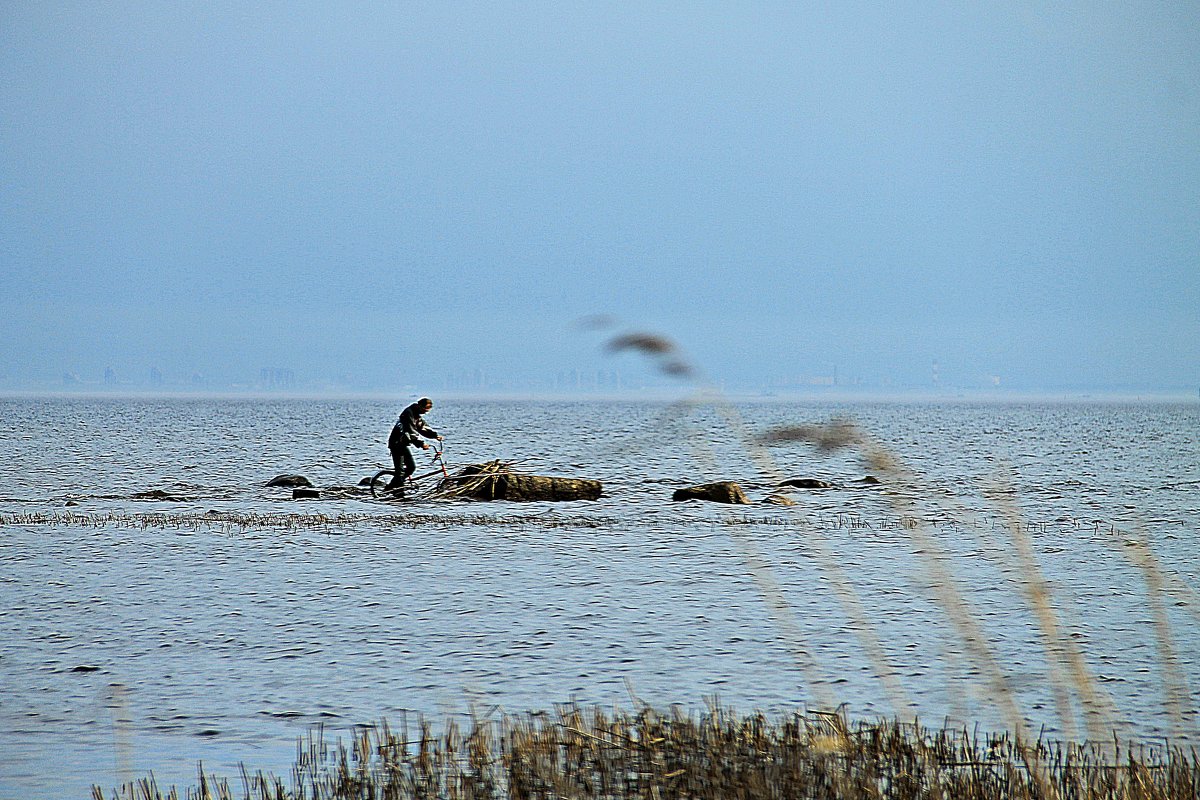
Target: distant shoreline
648	395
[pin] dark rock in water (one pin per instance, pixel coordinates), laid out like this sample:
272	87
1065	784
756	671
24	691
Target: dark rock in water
779	500
870	480
345	492
494	481
539	487
305	494
290	481
721	492
807	483
157	494
86	668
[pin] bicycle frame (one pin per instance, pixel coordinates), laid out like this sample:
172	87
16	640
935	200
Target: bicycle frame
441	462
438	458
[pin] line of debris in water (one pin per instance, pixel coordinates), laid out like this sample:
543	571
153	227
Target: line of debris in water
251	521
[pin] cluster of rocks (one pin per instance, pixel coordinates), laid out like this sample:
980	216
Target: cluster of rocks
493	481
731	492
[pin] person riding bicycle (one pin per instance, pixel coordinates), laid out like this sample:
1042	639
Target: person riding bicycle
408	430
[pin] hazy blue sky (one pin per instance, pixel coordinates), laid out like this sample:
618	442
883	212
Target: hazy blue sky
395	192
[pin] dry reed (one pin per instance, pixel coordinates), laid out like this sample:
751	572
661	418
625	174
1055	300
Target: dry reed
1175	688
1067	664
585	754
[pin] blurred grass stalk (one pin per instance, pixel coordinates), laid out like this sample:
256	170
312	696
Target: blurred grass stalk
1067	665
1175	690
1065	656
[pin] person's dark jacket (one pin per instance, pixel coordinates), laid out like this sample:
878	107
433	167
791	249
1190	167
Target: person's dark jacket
410	428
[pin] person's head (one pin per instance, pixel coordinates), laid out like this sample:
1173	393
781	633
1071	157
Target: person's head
424	404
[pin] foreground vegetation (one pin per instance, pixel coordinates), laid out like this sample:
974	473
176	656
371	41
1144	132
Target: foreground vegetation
577	754
817	756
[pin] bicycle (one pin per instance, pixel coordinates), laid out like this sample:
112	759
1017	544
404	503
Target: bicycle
381	479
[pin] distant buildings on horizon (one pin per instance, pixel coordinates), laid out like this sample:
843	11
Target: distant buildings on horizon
583	381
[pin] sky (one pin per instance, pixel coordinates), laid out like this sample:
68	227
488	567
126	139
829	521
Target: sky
384	195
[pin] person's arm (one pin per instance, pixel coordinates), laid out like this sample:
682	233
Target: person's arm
415	428
410	423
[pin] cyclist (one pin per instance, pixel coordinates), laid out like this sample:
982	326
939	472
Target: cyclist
407	431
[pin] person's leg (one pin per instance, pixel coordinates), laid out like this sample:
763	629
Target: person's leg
398	465
410	464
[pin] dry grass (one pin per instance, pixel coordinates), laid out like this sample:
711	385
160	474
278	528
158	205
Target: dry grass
720	754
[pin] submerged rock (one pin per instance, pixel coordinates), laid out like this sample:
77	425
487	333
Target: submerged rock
302	493
541	487
158	494
720	492
345	492
807	483
779	500
290	481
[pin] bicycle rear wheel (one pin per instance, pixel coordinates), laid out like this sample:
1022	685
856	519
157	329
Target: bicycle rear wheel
379	482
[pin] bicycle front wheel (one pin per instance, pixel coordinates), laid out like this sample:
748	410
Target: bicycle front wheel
380	481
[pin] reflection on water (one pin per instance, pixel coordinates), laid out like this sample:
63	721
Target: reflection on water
134	641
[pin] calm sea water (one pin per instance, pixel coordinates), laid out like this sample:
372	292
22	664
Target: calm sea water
143	635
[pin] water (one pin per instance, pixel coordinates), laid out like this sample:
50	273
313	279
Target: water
143	636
